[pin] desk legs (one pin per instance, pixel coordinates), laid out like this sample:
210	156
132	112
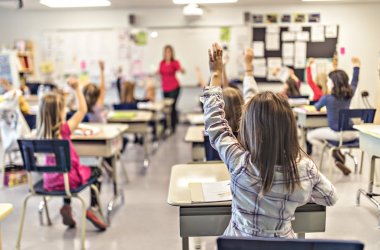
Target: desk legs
369	194
117	193
185	243
146	151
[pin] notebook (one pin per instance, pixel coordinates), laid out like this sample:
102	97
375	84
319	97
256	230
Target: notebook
122	115
86	130
210	192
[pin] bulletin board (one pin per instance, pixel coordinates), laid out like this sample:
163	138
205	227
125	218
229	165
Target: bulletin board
325	49
9	68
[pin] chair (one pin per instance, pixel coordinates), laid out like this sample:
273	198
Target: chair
345	124
71	113
125	106
32	151
210	152
5	210
229	243
31	121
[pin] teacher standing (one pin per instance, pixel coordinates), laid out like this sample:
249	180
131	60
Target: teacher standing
169	66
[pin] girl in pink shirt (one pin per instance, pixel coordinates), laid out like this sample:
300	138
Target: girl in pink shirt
51	124
169	66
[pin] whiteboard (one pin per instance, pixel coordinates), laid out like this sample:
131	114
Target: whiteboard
191	46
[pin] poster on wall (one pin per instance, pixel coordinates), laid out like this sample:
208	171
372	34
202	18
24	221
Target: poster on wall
258	18
271	18
225	34
286	18
299	18
314	18
331	31
9	68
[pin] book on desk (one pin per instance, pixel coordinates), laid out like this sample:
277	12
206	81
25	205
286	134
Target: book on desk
210	192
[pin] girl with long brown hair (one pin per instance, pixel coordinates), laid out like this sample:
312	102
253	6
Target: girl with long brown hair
270	175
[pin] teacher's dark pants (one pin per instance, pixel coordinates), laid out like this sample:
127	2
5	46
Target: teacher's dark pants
174	116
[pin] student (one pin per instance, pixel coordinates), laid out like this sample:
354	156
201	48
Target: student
51	124
95	96
270	175
291	83
320	88
128	93
11	92
150	90
340	98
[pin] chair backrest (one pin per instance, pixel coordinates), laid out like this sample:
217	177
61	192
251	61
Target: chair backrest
71	113
210	152
228	243
346	116
59	150
125	106
31	121
299	97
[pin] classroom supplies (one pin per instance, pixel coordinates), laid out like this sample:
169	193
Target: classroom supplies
210	192
122	115
86	130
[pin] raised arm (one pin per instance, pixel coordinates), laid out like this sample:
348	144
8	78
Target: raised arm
249	83
220	134
82	106
309	78
355	76
102	86
323	192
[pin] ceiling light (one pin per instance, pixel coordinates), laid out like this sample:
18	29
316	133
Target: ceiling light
192	10
203	1
154	34
75	3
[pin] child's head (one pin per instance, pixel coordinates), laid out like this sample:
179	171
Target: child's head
291	87
234	102
51	115
91	93
322	82
341	89
268	131
128	92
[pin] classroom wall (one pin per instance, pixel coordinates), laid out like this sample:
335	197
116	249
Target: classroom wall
358	29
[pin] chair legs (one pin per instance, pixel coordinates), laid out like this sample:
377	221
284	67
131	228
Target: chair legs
330	162
93	187
354	159
361	163
41	207
83	231
325	145
21	226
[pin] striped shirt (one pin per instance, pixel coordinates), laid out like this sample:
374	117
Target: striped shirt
271	214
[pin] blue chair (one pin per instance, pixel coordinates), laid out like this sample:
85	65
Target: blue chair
32	151
346	124
229	243
210	152
31	121
71	113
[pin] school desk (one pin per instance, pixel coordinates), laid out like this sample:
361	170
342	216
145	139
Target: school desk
309	119
5	210
194	135
211	219
108	142
138	123
195	118
369	136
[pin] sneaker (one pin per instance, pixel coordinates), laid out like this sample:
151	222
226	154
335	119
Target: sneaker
338	156
96	219
343	168
67	216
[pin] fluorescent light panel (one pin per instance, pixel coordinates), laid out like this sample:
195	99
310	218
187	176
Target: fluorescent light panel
203	1
75	3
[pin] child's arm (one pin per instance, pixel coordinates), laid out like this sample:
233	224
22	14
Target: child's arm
323	192
355	77
102	86
321	103
317	91
82	106
249	83
220	134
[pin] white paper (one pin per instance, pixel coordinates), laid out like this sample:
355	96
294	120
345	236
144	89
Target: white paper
284	74
300	55
258	49
288	36
318	33
287	50
331	31
272	41
303	36
295	28
288	61
217	191
274	64
260	67
273	29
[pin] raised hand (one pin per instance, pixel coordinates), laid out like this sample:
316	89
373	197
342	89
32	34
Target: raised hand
310	62
73	83
101	65
215	54
248	57
355	61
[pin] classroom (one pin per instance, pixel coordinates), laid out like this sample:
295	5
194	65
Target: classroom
190	124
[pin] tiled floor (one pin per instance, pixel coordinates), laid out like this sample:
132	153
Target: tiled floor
146	221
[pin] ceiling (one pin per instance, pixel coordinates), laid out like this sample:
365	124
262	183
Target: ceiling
34	4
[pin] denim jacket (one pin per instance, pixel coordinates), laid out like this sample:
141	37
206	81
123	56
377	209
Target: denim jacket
271	214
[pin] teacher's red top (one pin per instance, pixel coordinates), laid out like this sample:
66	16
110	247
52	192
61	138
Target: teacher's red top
168	72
